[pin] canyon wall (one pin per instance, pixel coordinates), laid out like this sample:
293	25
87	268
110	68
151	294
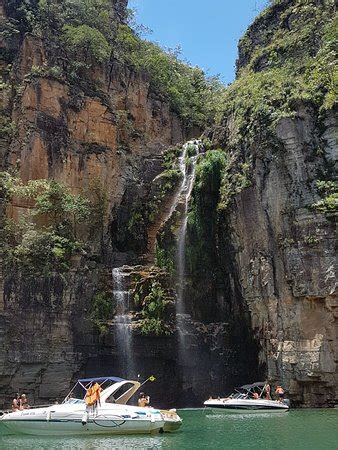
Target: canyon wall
111	128
261	259
282	246
74	136
285	260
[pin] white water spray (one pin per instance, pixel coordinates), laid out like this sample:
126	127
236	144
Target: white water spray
187	166
188	172
123	322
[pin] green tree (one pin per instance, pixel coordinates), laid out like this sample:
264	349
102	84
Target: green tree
86	41
45	239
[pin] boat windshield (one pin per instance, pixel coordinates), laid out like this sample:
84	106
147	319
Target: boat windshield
239	395
74	401
114	390
249	390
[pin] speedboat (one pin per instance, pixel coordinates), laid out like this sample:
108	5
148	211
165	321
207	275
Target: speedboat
109	415
248	398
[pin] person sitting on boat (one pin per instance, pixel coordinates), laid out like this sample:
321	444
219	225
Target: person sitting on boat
143	400
23	402
16	402
255	396
280	393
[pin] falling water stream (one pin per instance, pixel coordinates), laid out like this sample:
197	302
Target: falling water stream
188	171
187	165
123	322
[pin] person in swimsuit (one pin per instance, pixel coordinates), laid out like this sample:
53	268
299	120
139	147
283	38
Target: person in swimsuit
23	402
16	402
280	393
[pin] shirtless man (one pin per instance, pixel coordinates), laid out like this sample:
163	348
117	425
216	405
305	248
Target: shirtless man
143	400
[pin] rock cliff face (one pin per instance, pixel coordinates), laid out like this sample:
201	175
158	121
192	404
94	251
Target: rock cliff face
115	136
282	249
285	261
261	276
113	132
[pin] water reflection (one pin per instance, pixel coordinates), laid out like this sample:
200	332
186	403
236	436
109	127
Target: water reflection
75	443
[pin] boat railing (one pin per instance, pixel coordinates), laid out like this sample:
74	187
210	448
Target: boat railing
6	411
40	406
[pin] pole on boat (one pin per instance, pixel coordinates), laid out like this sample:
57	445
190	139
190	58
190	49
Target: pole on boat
151	378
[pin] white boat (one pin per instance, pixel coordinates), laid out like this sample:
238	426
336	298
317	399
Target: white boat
111	415
248	399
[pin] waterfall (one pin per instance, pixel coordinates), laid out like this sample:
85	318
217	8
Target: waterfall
187	358
187	167
187	186
123	332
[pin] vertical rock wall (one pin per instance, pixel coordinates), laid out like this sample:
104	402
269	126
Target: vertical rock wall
285	261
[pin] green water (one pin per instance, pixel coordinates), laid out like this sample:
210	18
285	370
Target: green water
302	429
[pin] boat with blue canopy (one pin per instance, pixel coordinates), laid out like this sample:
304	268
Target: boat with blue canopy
96	405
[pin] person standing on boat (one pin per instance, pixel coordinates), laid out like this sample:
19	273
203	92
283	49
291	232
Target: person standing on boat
267	391
23	402
280	393
16	402
143	400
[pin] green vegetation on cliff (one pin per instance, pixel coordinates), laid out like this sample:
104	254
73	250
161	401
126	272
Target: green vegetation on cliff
192	95
79	35
45	239
155	304
203	212
328	205
292	61
287	60
102	311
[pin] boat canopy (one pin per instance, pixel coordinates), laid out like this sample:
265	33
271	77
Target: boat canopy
100	379
247	387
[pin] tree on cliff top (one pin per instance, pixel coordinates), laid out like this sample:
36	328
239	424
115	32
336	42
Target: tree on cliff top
79	34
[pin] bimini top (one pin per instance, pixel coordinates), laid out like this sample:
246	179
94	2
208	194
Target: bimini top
100	379
250	386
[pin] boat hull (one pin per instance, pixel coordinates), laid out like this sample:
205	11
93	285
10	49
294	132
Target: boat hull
245	410
49	423
246	406
53	428
172	420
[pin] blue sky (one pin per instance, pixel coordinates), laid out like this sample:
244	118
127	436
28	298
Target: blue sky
206	30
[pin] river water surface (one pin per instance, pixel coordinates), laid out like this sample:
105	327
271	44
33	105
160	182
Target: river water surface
295	430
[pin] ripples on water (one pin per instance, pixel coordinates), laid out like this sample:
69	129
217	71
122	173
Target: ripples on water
296	430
